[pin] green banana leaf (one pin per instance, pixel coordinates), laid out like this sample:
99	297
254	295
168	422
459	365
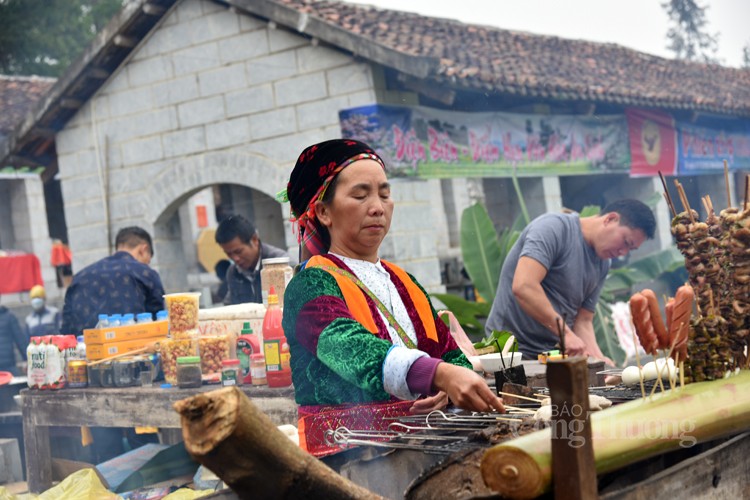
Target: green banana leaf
469	314
620	281
481	251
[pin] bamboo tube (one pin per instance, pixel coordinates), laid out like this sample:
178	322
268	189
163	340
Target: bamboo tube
625	434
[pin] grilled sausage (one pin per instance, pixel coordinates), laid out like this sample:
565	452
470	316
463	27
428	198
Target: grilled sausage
644	328
662	335
668	309
680	325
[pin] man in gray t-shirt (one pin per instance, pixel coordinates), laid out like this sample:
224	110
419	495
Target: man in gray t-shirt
557	267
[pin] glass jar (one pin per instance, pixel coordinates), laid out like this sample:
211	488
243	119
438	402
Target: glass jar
231	372
124	373
188	372
258	369
275	272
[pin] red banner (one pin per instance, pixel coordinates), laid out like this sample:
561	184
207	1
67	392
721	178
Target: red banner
653	143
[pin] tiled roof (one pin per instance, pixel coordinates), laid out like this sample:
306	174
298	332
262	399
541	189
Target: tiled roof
18	94
435	53
491	59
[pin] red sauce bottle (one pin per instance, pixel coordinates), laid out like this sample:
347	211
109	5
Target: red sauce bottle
275	348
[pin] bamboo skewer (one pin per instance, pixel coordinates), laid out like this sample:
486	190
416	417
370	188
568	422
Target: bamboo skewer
638	359
501	419
726	183
519	410
747	189
705	205
684	200
518	396
154	346
666	194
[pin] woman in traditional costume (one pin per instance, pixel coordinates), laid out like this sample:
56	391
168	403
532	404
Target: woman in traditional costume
361	329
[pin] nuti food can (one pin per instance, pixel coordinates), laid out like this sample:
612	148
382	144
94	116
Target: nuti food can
77	373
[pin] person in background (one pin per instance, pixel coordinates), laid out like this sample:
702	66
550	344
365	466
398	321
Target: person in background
118	284
362	330
10	335
61	260
121	283
43	319
221	269
240	241
557	268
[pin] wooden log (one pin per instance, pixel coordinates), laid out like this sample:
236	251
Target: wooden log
572	450
224	431
625	434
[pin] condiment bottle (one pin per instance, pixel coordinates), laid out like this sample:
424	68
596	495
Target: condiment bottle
247	345
278	373
231	372
258	369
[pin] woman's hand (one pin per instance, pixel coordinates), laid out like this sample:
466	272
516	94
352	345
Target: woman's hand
466	389
430	403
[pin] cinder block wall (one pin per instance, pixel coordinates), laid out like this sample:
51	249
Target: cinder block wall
210	97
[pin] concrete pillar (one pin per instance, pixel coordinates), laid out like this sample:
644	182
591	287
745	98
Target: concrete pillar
663	236
552	194
29	221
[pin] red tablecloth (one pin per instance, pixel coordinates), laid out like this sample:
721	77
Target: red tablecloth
19	272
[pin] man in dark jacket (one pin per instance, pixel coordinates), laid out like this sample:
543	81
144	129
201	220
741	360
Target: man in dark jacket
240	241
118	284
10	334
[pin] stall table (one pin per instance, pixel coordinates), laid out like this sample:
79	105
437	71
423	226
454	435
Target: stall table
119	407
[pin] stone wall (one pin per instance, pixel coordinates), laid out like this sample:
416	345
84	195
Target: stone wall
212	96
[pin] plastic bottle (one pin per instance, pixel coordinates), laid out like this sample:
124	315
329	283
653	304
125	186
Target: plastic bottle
80	348
257	369
275	347
114	320
127	319
247	345
103	321
36	368
144	318
161	315
55	378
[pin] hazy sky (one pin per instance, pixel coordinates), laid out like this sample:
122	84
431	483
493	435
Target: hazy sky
638	24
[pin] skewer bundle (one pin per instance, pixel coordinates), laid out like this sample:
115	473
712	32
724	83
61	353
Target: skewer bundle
717	258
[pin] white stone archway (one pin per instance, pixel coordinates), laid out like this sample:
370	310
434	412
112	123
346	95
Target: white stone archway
180	180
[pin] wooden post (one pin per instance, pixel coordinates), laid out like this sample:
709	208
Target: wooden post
573	467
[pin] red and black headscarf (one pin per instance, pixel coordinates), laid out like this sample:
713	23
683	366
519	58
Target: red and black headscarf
316	167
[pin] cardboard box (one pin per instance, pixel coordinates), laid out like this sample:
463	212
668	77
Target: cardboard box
96	352
122	333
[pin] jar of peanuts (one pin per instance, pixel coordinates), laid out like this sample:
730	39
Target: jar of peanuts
275	273
182	312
